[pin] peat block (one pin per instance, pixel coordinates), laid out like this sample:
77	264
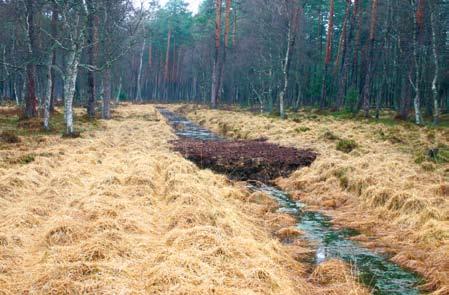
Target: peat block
246	159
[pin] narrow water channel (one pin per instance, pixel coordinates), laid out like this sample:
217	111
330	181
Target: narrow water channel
373	269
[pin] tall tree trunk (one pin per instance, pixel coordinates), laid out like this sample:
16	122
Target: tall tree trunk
139	74
106	114
92	40
31	102
47	95
167	56
71	73
216	68
226	42
291	38
327	58
355	62
119	91
54	33
417	53
370	70
434	23
344	68
234	34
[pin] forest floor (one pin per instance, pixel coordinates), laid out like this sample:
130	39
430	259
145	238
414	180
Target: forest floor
389	180
116	211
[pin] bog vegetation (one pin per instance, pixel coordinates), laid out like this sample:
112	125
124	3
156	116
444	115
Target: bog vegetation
350	97
362	56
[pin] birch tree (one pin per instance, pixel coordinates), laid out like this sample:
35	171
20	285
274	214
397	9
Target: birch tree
293	9
73	18
434	16
31	101
328	56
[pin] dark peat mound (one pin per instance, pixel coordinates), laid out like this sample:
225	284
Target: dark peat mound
245	159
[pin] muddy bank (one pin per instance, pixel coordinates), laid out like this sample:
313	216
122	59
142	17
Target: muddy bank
246	159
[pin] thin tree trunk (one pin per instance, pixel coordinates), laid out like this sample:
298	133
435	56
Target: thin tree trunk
92	40
327	59
119	91
370	70
167	56
16	95
139	74
234	34
419	28
436	105
355	62
106	114
216	68
226	43
47	95
73	59
54	23
291	38
344	69
31	102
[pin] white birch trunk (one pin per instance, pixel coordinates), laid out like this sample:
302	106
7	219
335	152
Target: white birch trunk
139	75
16	96
436	106
47	97
73	60
285	69
417	99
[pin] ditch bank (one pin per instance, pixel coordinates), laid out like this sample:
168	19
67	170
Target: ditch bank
259	162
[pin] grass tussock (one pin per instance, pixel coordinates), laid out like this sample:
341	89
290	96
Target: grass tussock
346	145
379	189
336	277
117	212
9	136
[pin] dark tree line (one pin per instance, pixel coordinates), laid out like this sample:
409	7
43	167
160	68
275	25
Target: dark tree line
362	55
62	51
352	55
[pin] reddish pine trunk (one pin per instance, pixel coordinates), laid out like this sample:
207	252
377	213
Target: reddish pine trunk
369	72
344	67
355	62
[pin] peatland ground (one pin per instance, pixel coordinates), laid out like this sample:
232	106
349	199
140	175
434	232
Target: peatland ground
390	180
116	211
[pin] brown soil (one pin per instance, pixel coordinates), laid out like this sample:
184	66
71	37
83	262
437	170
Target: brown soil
246	159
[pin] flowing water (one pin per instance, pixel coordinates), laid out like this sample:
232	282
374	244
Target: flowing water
373	269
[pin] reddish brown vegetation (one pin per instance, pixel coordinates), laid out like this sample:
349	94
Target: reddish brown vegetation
244	160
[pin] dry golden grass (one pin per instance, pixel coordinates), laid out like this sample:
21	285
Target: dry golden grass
378	187
116	212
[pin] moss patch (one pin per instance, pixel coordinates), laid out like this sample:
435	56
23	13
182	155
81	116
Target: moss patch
346	145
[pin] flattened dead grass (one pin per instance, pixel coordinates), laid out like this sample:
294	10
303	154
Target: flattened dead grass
378	187
116	212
